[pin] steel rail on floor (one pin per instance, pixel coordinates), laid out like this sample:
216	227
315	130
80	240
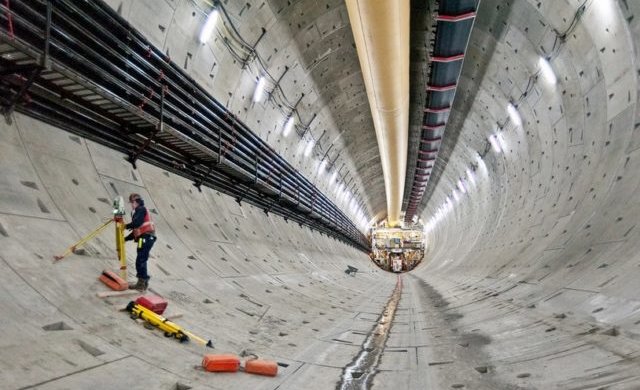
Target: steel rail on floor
81	67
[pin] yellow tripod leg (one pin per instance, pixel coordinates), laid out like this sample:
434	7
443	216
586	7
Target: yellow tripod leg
200	340
83	240
168	327
120	248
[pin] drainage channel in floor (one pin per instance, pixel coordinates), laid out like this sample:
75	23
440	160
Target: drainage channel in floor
360	372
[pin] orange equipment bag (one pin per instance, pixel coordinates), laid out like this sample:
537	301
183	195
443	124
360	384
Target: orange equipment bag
261	367
221	363
113	281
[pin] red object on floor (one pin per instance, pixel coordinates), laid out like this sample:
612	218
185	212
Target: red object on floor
261	367
113	281
153	302
221	363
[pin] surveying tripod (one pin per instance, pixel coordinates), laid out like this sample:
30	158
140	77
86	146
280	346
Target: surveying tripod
118	218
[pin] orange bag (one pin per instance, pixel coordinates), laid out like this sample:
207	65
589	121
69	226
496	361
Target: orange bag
113	281
221	363
261	367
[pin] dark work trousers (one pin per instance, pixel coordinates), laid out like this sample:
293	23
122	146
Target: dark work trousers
145	243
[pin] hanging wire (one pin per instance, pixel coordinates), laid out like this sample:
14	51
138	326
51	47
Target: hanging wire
561	37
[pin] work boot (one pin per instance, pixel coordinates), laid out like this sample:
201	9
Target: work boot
146	284
139	285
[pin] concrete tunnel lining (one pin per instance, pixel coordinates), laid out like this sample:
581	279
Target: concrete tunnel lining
531	282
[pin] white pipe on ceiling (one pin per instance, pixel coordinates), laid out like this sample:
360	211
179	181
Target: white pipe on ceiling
381	32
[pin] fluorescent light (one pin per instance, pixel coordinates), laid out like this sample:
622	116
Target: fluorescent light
456	196
494	143
209	25
461	186
259	92
514	115
482	165
605	11
471	177
308	148
323	164
334	176
547	71
288	126
501	142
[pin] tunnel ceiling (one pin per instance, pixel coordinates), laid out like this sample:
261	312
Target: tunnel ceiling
322	34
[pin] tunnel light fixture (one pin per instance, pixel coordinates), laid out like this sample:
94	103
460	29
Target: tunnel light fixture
547	71
455	195
461	186
258	94
606	11
209	25
288	126
501	142
482	165
322	166
333	177
308	148
471	177
514	115
494	143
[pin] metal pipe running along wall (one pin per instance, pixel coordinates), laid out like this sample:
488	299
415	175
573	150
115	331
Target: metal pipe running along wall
381	33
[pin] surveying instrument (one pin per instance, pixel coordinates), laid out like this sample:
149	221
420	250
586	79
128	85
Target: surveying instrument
118	219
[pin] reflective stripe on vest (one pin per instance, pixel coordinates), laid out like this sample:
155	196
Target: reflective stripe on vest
146	227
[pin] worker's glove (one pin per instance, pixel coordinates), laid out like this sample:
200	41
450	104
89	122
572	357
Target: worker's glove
129	237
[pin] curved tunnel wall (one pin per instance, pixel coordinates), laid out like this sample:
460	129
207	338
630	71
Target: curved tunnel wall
530	282
541	254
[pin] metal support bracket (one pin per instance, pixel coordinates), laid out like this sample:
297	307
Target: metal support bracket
252	53
198	183
133	157
277	84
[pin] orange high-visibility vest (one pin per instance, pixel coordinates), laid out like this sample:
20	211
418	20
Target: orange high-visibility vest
146	227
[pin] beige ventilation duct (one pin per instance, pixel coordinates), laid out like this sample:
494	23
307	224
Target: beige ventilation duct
381	32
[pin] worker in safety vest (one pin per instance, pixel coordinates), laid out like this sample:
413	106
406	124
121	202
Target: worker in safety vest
144	234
